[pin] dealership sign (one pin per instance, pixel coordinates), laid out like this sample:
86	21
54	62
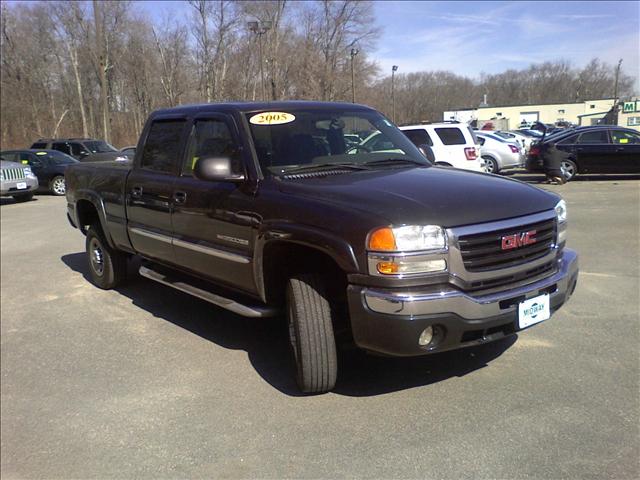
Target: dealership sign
630	107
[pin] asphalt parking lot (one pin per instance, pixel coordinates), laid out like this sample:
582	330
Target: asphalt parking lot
148	382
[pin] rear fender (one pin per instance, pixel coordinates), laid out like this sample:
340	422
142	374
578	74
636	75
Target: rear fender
93	198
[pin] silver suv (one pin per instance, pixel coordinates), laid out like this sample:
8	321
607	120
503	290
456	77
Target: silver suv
17	181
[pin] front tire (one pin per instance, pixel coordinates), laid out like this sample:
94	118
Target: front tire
57	185
108	267
311	333
569	169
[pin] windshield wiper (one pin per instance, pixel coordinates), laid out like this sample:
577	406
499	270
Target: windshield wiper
393	161
324	166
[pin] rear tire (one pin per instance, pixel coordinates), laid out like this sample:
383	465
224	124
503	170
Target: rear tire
57	185
311	333
108	267
569	169
490	165
23	198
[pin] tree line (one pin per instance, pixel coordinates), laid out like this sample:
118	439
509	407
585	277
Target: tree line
97	69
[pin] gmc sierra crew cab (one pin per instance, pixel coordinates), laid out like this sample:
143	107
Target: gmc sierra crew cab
264	209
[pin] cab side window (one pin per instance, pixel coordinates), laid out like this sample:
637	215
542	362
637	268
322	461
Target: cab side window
31	160
78	150
620	137
162	147
211	138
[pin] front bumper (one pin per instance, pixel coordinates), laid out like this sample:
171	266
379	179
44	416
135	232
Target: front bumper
390	321
10	188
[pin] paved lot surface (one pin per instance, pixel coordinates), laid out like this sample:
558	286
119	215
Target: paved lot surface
146	382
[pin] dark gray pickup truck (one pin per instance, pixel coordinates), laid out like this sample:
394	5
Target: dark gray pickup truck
273	208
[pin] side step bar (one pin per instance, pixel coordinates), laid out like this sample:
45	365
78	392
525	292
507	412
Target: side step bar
256	310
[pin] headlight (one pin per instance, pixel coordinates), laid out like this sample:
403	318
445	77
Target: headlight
27	172
561	211
411	238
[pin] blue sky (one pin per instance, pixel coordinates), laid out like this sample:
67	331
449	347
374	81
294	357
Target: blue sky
473	37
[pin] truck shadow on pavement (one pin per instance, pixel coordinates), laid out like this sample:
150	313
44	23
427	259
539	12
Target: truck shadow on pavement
590	177
266	343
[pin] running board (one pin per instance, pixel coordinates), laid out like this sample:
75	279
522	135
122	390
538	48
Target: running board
255	310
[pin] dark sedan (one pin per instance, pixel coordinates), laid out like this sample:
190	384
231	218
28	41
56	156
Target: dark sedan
47	165
597	149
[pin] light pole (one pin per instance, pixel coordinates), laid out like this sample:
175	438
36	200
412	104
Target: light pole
394	69
354	52
615	88
260	28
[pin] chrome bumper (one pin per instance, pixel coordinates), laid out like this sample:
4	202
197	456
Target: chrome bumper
467	306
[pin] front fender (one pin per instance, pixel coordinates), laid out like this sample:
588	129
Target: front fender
332	245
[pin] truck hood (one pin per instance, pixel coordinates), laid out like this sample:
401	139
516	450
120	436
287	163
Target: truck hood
420	196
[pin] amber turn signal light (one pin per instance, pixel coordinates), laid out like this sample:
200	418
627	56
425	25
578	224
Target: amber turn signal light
382	240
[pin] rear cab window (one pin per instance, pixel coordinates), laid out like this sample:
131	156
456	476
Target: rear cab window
451	136
163	145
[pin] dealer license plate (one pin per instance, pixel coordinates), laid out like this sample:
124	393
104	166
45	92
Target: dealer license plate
534	310
21	186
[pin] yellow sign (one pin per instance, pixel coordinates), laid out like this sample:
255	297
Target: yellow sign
272	118
41	153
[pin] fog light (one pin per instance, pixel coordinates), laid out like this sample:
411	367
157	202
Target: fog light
426	336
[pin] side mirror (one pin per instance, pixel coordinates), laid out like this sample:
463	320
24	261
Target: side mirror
216	169
427	152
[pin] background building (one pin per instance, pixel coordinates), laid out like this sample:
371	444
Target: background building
511	117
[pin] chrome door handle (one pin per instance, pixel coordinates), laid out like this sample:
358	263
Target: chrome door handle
136	192
180	197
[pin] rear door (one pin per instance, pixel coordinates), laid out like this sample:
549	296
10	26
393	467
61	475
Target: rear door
594	151
213	222
626	147
149	188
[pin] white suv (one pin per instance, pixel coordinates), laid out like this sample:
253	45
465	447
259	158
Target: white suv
454	144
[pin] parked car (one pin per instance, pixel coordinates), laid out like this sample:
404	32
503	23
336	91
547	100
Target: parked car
595	149
83	149
48	165
499	154
530	133
238	205
453	144
523	140
129	152
17	180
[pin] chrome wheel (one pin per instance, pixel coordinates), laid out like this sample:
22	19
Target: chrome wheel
568	169
58	186
490	165
96	257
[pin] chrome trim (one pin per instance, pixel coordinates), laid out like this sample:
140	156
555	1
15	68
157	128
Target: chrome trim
146	233
450	300
233	257
456	264
374	257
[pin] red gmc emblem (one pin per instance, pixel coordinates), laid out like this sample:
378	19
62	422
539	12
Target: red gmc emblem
518	240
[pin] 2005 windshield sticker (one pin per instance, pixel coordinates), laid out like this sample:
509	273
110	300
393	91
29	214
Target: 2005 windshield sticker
272	118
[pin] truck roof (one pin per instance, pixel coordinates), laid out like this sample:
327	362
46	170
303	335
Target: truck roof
260	106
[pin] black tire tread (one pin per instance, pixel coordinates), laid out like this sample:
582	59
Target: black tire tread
314	328
115	262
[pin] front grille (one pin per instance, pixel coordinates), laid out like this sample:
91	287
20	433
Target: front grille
542	270
483	251
13	173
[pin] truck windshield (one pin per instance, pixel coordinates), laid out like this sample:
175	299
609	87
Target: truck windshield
288	140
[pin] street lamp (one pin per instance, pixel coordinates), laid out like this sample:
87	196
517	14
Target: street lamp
394	69
260	28
354	52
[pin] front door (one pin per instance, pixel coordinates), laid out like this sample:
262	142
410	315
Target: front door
149	189
213	221
626	146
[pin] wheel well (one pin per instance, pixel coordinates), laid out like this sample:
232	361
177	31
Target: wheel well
443	164
87	214
282	260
